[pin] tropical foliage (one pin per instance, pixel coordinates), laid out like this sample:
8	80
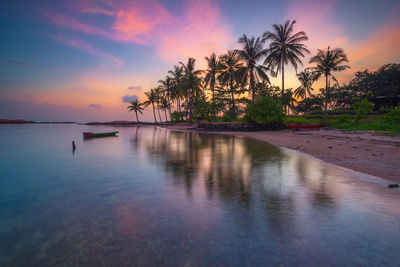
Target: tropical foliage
327	62
285	47
236	85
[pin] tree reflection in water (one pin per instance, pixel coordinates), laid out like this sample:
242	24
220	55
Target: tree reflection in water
238	171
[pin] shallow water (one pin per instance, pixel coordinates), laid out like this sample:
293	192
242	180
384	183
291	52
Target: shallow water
153	196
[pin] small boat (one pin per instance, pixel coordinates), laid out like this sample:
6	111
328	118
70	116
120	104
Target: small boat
94	135
297	126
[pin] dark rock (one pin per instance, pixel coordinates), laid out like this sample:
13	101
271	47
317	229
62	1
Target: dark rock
394	186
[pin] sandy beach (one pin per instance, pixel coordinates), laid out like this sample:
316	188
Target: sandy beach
366	152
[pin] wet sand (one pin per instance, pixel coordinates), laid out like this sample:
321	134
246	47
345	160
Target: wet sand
366	152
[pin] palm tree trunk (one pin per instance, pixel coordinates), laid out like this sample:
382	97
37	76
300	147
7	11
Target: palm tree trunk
154	113
326	98
178	103
252	87
137	120
165	113
190	107
233	101
213	99
283	82
159	116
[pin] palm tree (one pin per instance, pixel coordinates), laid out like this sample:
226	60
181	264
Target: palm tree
252	51
306	79
152	99
165	105
159	96
231	72
167	87
288	100
213	66
327	62
191	82
137	107
177	76
285	47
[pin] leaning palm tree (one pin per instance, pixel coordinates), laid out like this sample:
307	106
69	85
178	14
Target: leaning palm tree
136	106
232	71
285	47
213	67
252	51
327	62
306	79
151	100
191	82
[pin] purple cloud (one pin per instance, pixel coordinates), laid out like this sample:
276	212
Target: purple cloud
95	106
134	87
129	98
15	62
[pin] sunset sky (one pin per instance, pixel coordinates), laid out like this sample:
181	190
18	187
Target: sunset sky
82	60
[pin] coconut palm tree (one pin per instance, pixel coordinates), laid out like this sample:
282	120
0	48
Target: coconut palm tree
136	106
191	82
285	47
177	76
213	67
231	73
165	105
306	79
159	96
327	62
151	100
252	51
167	87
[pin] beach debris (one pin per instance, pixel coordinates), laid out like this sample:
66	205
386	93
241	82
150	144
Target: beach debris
394	186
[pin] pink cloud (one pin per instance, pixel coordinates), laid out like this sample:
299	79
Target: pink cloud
198	31
379	47
316	19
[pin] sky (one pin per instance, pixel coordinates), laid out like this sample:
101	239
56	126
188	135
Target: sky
70	60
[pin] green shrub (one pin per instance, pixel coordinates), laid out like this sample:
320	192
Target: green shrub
264	110
175	116
362	107
227	117
345	118
391	120
297	119
393	116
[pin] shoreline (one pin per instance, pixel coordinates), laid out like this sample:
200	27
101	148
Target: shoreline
365	152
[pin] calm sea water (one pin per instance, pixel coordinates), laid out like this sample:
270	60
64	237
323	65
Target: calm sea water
157	197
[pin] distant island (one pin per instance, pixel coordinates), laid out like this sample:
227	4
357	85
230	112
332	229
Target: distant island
40	122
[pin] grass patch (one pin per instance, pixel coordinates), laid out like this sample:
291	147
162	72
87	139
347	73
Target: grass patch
382	123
